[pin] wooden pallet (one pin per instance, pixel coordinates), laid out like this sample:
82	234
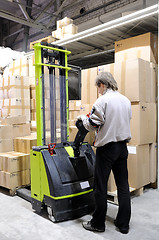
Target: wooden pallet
48	39
112	196
12	192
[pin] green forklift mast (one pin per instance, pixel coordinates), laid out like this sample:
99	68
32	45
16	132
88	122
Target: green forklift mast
61	171
52	53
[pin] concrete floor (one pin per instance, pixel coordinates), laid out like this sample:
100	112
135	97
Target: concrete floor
19	222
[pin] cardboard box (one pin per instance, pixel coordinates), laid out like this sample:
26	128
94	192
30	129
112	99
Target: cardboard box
73	114
153	162
89	93
14	161
70	29
74	105
6	145
25	144
143	46
143	123
15	87
118	72
21	130
58	34
6	132
64	22
32	92
19	67
138	166
137	80
31	61
15	107
33	104
152	122
13	180
153	82
85	109
111	186
13	120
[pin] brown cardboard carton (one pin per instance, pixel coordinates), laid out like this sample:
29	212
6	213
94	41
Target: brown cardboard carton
33	104
138	166
153	82
143	46
111	183
73	114
89	93
14	161
19	67
24	144
13	180
15	107
153	162
85	109
16	87
137	80
143	123
6	145
74	105
118	72
31	61
6	132
21	119
70	29
64	22
1	178
21	130
139	124
152	122
1	164
32	92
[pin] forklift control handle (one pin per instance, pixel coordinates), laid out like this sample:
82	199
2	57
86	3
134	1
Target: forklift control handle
51	147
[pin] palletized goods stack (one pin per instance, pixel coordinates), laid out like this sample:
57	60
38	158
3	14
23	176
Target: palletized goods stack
65	29
14	166
14	122
135	70
14	169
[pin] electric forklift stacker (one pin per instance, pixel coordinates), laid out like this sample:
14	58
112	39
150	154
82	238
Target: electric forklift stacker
61	172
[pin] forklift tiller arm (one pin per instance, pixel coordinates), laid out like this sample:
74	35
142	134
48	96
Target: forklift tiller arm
82	132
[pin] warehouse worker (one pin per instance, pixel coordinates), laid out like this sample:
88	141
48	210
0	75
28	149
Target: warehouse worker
110	116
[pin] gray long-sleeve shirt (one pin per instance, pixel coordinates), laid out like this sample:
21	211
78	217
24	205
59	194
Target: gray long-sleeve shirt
110	116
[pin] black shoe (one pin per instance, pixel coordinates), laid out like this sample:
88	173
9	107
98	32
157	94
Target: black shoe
121	229
89	227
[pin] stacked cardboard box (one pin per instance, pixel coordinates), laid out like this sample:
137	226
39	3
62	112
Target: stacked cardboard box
14	169
14	166
25	144
19	67
135	70
65	29
15	99
11	128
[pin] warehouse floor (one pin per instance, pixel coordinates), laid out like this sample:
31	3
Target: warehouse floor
19	222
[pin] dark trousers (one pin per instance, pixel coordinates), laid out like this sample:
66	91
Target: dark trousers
112	156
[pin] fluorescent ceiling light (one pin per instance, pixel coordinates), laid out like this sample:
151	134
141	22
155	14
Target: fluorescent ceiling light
146	12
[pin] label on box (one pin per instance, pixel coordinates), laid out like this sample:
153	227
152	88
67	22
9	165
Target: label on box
84	184
78	103
131	149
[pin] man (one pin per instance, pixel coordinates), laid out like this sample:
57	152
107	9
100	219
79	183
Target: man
110	116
